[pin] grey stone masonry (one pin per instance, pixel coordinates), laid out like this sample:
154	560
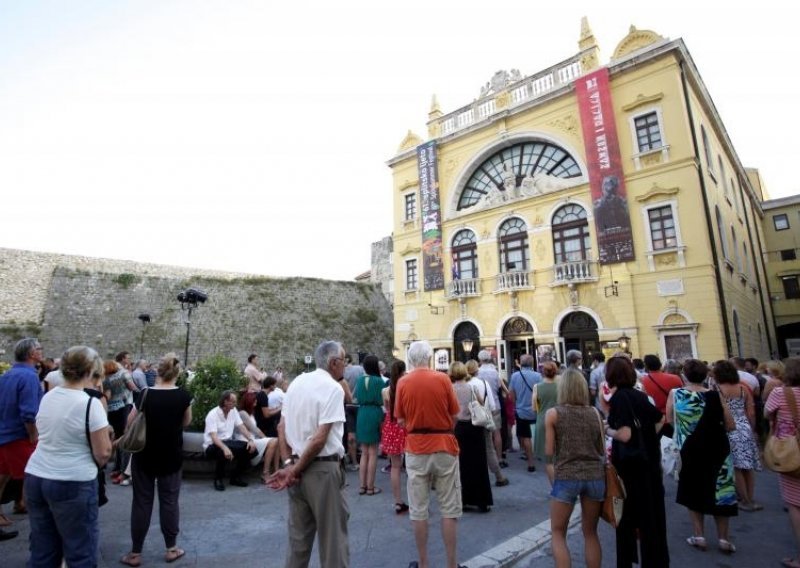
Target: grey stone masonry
76	300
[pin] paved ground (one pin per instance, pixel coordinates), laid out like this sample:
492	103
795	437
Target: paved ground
247	527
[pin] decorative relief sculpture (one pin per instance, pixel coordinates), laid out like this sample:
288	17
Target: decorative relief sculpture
499	81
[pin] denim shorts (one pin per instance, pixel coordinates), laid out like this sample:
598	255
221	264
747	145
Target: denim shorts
568	490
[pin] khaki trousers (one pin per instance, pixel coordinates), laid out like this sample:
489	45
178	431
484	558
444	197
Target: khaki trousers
317	506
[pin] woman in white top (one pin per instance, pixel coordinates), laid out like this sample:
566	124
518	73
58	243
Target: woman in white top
61	475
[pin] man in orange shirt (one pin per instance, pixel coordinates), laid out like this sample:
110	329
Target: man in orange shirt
426	404
657	385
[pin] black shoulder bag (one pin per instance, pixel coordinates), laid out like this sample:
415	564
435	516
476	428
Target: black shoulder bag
102	498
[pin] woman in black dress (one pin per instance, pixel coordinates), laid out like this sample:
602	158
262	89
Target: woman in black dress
633	424
476	490
168	410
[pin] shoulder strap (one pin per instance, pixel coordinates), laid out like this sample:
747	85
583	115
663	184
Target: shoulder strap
521	374
602	430
788	394
88	434
141	403
652	378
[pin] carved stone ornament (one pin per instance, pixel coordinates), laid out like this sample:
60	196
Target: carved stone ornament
499	81
636	39
567	124
410	141
657	191
643	100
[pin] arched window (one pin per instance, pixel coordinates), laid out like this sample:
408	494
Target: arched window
571	234
721	232
509	166
465	255
513	243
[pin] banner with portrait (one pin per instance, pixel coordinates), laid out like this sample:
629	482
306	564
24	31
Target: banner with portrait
609	197
431	214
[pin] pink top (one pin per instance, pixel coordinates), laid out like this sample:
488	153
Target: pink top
777	401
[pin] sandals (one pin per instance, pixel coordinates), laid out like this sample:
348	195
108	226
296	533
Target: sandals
132	559
374	491
698	542
174	554
726	546
362	491
400	508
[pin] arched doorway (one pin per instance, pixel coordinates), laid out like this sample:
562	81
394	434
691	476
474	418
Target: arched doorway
517	340
579	331
466	330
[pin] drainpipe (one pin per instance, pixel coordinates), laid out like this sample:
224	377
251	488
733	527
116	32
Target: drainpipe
707	210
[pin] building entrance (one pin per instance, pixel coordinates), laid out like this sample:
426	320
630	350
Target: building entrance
517	341
579	331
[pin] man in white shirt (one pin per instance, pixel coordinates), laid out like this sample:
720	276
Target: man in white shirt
310	433
218	442
253	373
746	378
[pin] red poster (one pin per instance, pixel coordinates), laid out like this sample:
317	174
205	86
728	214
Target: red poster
606	180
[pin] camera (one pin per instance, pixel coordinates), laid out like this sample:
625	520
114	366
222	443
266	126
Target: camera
192	296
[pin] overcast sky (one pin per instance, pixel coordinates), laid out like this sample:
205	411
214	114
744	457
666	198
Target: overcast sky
253	136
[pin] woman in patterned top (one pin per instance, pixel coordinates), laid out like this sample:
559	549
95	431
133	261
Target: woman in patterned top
706	483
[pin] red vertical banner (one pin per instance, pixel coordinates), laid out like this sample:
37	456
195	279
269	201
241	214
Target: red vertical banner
609	197
432	264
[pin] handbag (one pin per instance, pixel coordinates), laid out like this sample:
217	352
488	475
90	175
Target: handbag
135	437
479	414
670	454
102	498
783	454
614	501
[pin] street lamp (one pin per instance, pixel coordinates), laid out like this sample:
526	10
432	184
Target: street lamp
624	343
466	345
145	319
189	300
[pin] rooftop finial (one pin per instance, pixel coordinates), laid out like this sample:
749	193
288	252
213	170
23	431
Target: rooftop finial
435	104
587	44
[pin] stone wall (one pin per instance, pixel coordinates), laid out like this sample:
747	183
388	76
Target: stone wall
73	300
381	267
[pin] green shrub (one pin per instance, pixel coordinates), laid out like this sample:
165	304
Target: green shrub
212	376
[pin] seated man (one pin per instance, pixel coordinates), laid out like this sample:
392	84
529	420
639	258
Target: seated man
219	444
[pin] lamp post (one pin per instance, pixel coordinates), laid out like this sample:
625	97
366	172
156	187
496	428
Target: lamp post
189	300
466	345
145	319
624	343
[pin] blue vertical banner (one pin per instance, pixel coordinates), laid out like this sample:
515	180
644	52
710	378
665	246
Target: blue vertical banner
431	213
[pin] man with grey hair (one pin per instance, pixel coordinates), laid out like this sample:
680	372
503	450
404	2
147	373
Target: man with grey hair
20	394
310	434
521	393
139	378
426	404
488	373
574	359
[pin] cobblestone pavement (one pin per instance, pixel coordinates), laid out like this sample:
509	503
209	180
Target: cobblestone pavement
245	527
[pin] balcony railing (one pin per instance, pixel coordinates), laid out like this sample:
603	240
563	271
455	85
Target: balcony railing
511	281
527	89
463	288
574	272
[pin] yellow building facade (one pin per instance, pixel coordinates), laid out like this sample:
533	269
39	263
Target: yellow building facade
782	250
509	232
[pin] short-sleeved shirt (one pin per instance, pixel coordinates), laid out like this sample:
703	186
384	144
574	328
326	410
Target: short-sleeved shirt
658	385
426	401
267	425
117	384
63	452
163	451
20	394
778	402
522	384
312	400
222	426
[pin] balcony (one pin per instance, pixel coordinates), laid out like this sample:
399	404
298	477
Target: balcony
574	272
513	281
463	288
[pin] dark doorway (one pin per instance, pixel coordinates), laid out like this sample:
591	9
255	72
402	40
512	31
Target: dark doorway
579	331
518	340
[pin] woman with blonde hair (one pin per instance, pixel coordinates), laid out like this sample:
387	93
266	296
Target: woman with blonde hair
476	491
575	453
774	371
168	410
61	475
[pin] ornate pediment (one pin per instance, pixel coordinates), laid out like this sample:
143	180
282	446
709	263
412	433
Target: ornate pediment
643	100
635	40
657	191
410	141
499	81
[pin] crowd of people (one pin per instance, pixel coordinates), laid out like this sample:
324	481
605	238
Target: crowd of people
61	422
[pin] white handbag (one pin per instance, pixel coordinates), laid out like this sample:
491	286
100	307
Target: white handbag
479	414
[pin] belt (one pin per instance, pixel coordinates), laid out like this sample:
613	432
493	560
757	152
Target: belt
429	431
333	458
